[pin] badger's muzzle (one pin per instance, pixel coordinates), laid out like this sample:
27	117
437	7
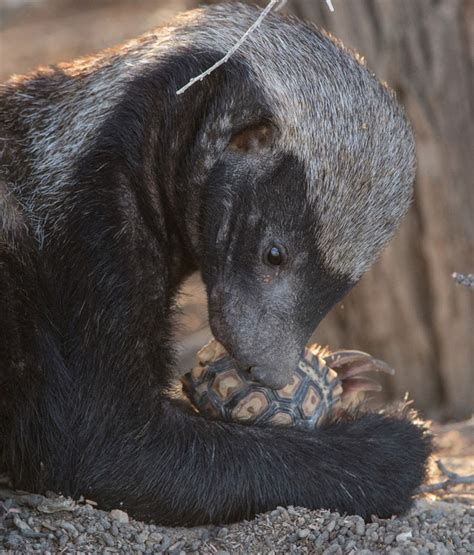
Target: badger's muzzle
270	348
274	378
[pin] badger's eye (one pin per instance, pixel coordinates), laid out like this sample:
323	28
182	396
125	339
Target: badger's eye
274	256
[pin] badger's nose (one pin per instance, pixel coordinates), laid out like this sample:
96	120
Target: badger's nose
271	378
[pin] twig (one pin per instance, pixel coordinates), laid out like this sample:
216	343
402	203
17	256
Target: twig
454	479
239	43
330	6
464	279
236	46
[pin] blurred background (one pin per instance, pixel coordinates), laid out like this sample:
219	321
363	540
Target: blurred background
407	310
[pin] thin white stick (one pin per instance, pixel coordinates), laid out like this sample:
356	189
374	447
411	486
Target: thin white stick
237	45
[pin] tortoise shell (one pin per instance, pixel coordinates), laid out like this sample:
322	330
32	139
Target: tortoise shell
219	388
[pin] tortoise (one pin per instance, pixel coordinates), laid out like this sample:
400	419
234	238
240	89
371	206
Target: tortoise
218	387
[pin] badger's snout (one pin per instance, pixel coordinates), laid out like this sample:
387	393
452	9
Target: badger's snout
274	378
259	342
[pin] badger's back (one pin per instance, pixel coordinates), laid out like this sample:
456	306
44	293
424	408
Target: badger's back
335	117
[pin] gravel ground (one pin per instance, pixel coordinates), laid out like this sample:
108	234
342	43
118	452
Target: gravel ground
438	524
431	527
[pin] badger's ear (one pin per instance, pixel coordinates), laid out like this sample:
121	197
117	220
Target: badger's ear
253	139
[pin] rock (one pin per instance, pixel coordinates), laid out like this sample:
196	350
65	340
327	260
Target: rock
13	541
176	547
70	528
195	545
165	543
119	516
331	526
222	533
108	539
404	536
302	534
359	525
142	537
57	504
26	530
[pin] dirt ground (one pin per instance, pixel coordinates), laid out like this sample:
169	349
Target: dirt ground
34	32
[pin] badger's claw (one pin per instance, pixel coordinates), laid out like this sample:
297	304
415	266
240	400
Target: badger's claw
350	365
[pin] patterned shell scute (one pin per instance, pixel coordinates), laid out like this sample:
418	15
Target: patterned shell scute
219	388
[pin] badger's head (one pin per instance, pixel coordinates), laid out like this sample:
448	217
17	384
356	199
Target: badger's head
280	176
309	165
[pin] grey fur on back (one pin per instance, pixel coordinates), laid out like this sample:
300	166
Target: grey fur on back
332	114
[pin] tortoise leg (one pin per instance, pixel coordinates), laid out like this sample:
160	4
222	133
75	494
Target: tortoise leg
351	367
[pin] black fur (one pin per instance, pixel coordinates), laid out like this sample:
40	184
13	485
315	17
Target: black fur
85	312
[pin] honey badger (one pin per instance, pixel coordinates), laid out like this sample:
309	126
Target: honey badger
279	177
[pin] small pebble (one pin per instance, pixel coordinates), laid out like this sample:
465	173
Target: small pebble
195	545
360	526
222	533
108	539
404	536
13	540
141	537
176	546
330	527
165	543
119	516
302	534
334	549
